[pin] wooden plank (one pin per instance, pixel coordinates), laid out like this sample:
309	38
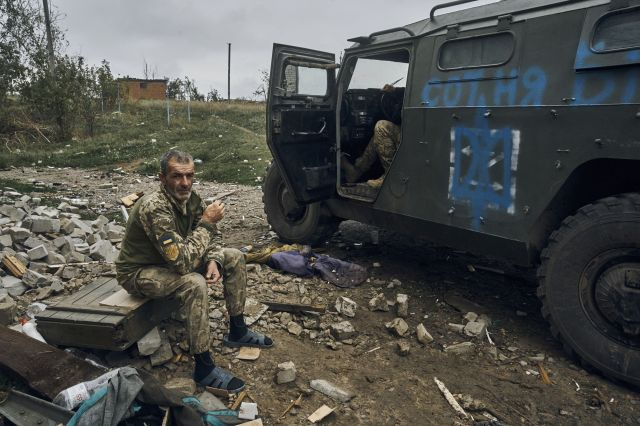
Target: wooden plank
294	307
46	369
130	200
14	265
94	296
95	285
122	299
106	310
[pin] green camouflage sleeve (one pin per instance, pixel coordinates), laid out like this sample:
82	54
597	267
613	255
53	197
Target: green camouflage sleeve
182	254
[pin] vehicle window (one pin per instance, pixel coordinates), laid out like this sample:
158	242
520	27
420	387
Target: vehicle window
299	80
474	52
375	73
617	31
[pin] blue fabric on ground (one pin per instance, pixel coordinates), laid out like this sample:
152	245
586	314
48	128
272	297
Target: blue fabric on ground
291	261
339	272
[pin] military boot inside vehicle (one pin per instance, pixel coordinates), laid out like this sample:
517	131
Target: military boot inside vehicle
510	129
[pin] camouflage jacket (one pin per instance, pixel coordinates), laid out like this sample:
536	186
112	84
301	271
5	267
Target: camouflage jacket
162	232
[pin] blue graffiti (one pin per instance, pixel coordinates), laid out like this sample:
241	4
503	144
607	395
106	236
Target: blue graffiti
451	92
487	149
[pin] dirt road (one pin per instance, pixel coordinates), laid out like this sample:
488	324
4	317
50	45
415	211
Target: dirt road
502	379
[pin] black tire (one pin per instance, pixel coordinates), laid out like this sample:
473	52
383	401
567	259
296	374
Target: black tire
294	223
584	288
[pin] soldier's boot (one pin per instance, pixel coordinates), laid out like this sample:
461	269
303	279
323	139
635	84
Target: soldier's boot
376	183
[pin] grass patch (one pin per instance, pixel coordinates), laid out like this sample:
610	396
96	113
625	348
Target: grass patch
229	139
24	187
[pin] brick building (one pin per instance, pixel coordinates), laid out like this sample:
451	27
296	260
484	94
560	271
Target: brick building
134	89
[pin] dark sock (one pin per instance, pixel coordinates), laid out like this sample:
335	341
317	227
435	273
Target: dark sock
237	329
204	365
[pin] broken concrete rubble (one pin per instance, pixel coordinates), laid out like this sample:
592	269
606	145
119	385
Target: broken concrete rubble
150	342
343	330
423	335
346	306
8	310
460	348
398	326
286	372
331	390
402	305
379	303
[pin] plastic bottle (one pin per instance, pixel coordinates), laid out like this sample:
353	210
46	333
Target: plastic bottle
29	328
71	397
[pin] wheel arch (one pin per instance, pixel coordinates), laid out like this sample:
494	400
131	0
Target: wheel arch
587	183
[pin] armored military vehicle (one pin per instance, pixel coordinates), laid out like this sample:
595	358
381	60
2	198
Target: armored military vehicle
520	138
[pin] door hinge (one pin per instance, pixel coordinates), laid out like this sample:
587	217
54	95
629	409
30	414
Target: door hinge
276	126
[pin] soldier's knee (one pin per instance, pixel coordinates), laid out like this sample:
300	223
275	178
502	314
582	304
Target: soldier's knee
383	128
233	259
197	282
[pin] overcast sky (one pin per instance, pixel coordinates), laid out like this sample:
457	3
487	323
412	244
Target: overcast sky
189	37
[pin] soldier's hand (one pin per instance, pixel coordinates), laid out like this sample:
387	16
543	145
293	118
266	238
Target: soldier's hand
213	213
212	275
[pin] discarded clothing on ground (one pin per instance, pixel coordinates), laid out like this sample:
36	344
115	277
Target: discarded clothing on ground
263	255
133	397
342	274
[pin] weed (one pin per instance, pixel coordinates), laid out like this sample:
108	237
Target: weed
228	140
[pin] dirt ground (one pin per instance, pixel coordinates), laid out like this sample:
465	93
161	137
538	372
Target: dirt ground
389	389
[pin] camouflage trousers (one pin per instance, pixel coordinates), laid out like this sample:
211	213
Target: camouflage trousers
157	282
383	145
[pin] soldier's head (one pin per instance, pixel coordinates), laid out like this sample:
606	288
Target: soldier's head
176	174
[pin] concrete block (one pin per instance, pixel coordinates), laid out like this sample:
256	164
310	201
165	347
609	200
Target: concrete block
162	355
19	234
32	242
67	226
460	348
423	335
331	390
475	328
102	250
404	348
34	279
54	258
14	286
343	330
402	305
397	326
346	306
8	310
6	241
37	253
286	372
248	411
379	303
150	342
294	328
14	214
82	225
44	225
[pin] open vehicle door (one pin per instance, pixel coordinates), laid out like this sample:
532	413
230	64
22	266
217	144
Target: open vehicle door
301	122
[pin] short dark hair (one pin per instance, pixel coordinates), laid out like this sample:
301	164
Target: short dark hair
173	154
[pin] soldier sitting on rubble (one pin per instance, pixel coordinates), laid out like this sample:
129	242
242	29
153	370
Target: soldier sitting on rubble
168	251
383	145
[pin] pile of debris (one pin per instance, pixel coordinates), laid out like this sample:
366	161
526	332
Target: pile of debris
43	248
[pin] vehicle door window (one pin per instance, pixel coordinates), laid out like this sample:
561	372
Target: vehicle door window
302	80
375	73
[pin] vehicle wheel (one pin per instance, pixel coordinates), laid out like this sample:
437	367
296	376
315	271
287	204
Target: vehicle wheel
294	223
589	284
